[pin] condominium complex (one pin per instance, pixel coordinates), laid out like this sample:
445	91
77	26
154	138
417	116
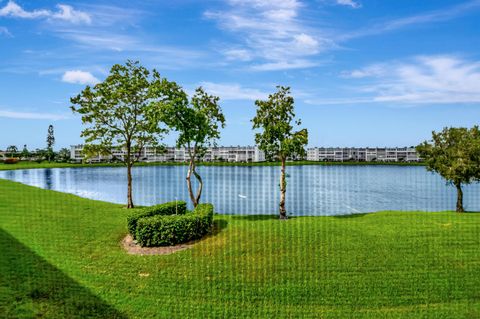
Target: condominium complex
385	154
253	154
172	154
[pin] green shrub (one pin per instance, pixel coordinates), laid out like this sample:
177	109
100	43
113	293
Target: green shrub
165	230
170	208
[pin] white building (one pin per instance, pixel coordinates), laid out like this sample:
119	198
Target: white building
238	154
172	154
385	154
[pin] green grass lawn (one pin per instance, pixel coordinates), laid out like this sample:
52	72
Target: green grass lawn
28	165
61	257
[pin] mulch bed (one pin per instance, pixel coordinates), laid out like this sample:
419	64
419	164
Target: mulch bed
135	249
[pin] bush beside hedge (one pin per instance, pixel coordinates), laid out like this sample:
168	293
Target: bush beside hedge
11	160
170	208
166	230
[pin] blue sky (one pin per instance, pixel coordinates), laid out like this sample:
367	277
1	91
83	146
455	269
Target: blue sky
363	73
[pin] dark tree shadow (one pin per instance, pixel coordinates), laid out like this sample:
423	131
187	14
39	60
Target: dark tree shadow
30	287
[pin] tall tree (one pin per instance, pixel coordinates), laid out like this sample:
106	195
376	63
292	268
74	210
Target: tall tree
116	112
279	141
11	151
25	152
454	153
50	143
198	124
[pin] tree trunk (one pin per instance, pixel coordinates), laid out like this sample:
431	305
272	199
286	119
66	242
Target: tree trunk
191	169
129	190
283	188
459	198
200	186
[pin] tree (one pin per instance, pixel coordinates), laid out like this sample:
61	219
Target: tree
278	139
63	155
50	143
454	153
11	151
25	153
116	112
39	155
197	122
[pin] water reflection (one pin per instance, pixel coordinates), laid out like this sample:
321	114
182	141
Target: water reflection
311	190
48	178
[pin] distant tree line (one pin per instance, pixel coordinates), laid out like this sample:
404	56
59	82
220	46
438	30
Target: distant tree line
13	154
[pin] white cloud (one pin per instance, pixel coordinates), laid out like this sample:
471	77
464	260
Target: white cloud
306	42
233	91
423	80
79	77
14	10
284	65
369	71
4	31
32	115
271	32
67	13
64	12
350	3
238	55
444	14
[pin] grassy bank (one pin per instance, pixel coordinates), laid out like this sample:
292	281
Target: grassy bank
27	165
61	257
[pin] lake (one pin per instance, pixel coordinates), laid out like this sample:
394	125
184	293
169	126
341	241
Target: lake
311	190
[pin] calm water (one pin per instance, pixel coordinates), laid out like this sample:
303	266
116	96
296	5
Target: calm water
311	190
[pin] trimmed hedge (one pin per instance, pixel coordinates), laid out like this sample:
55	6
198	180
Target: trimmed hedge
170	208
166	230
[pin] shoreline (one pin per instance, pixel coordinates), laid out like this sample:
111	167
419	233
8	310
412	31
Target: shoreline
33	165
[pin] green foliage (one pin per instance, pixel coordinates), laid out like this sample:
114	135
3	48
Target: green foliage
50	142
454	153
25	153
165	230
115	111
278	139
275	117
197	123
118	114
170	208
11	151
63	155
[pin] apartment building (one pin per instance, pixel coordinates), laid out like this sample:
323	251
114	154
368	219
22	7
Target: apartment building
385	154
172	154
244	154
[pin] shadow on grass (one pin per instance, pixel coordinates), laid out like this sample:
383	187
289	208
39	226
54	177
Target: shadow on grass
218	226
352	215
30	287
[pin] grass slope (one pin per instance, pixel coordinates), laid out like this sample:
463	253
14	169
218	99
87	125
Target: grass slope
61	257
27	165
